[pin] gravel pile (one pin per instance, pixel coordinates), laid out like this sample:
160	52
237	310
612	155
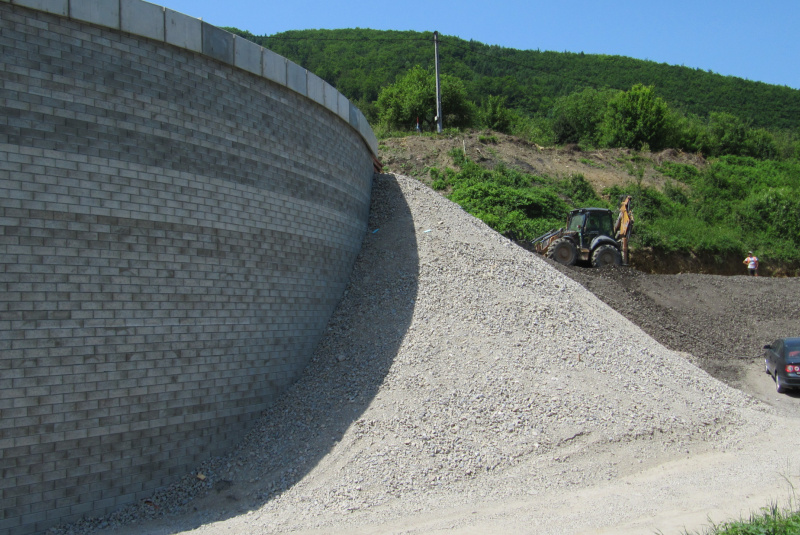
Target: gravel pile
458	366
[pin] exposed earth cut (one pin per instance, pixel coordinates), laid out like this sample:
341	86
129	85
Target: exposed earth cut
466	385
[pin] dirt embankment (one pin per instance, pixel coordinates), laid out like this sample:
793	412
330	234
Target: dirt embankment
415	155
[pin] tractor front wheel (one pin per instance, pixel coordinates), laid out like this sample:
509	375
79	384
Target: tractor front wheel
606	255
563	251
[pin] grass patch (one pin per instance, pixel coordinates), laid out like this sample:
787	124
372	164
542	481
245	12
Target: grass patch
771	520
590	163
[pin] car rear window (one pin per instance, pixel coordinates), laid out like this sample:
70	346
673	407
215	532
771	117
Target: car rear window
792	353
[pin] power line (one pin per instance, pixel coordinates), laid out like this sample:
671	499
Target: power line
452	42
472	47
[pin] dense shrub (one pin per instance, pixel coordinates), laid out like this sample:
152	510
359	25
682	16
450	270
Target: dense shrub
495	115
577	117
635	119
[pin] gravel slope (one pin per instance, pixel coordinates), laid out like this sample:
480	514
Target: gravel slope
722	321
466	385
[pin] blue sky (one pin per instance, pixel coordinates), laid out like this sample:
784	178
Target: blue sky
755	39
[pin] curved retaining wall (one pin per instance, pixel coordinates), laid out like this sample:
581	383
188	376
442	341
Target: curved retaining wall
179	214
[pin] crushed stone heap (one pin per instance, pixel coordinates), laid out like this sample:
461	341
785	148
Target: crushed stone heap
458	363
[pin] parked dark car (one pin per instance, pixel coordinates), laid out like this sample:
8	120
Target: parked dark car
782	361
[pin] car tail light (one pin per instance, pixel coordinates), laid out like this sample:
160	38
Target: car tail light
793	368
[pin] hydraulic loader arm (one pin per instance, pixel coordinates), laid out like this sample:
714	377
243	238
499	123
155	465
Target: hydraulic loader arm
624	224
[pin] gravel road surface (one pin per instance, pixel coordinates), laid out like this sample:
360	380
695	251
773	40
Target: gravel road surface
466	385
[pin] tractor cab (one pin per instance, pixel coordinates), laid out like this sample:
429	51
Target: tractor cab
589	224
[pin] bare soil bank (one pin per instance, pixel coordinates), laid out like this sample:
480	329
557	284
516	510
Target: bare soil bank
414	155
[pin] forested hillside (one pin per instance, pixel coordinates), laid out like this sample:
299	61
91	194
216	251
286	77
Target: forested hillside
359	62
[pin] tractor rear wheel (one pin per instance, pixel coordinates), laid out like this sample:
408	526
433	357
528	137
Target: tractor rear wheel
563	251
606	255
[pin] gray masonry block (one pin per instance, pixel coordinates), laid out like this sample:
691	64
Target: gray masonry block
56	7
100	12
274	66
296	78
247	55
218	43
183	31
142	18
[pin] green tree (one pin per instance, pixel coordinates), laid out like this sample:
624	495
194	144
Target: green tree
728	134
761	144
636	118
577	117
687	132
495	115
413	96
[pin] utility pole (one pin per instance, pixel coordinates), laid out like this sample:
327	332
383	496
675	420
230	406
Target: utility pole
438	86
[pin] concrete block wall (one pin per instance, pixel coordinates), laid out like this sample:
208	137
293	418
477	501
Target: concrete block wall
179	214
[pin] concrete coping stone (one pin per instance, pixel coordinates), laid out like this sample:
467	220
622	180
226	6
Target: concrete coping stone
331	98
159	23
56	7
274	66
316	89
344	108
218	44
142	18
99	12
296	78
248	56
183	31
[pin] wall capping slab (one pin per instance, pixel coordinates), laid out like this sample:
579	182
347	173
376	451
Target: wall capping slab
142	18
247	56
100	12
56	7
183	31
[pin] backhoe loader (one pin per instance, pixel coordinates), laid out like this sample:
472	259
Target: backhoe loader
591	236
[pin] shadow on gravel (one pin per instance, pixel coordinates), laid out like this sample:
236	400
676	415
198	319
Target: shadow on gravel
362	339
